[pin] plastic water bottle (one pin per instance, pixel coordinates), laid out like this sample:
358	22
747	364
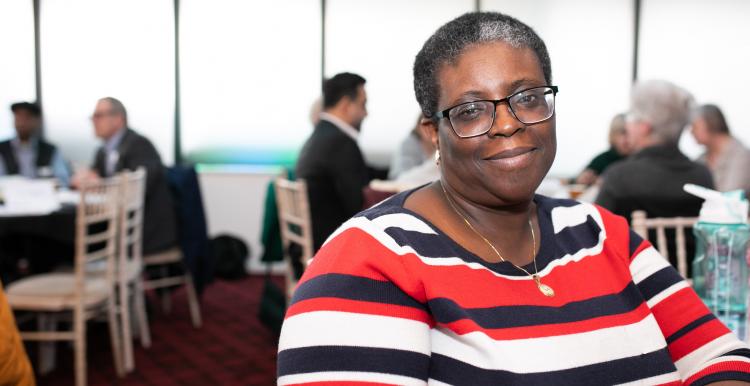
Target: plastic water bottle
720	268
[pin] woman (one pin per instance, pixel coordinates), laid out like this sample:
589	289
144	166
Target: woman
618	149
476	280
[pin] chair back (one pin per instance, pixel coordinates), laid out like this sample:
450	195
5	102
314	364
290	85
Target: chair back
641	225
130	215
96	233
295	223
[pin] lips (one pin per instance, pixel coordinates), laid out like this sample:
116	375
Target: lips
515	158
511	153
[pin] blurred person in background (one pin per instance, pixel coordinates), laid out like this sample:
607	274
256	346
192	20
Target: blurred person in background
414	150
618	149
726	157
651	179
331	161
27	154
125	149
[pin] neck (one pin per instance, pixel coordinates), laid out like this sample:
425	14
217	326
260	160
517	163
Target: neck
505	226
336	112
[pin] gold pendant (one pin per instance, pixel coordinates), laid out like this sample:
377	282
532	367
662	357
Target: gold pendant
543	288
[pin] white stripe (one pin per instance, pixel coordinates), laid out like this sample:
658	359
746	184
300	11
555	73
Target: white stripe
696	360
350	376
433	382
657	380
669	291
646	263
404	221
550	353
565	217
448	261
335	328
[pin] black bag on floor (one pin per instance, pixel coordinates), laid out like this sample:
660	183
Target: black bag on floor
230	255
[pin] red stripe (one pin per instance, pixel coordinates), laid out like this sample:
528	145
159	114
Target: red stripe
729	365
355	252
678	310
359	307
466	326
673	383
696	338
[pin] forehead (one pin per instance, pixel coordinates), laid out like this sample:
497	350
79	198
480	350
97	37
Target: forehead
102	105
491	70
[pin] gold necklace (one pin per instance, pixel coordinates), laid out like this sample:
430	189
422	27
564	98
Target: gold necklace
543	288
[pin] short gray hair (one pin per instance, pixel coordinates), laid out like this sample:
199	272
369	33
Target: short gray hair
664	105
117	107
453	38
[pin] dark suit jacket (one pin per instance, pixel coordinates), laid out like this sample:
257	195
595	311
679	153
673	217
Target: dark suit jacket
652	180
333	166
159	225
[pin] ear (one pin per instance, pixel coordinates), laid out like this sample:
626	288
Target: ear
429	129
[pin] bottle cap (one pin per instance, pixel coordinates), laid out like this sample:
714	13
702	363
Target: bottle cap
720	208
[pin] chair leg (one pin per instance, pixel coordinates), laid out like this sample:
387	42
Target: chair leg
114	332
140	310
46	322
195	310
127	339
79	346
166	300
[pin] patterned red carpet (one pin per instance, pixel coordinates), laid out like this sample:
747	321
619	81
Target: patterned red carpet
232	347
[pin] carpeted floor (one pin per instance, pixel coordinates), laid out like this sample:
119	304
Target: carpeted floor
231	348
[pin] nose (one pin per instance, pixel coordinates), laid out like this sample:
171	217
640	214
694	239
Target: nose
506	124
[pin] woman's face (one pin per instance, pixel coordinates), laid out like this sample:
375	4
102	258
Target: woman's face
507	164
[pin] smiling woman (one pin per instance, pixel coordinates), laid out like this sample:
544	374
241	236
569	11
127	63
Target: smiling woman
475	279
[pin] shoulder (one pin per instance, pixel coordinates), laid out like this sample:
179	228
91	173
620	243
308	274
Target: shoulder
5	144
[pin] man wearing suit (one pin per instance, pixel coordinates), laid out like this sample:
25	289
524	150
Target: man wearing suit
330	161
28	154
124	149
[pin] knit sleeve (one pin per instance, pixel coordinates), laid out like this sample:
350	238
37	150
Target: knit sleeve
357	316
702	348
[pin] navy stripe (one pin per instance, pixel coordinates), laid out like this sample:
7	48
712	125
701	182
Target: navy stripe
572	239
722	376
447	311
659	281
690	327
350	358
455	372
741	352
336	285
635	242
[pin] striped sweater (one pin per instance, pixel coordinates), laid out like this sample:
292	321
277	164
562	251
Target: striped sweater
390	299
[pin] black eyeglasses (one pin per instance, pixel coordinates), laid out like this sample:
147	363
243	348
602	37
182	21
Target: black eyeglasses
470	119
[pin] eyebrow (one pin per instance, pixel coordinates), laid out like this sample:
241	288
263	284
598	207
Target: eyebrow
478	95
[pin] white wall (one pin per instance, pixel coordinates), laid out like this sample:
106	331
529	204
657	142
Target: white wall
233	199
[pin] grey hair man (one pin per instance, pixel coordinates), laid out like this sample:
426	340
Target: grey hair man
652	178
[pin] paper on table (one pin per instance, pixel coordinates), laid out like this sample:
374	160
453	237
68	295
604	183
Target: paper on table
28	197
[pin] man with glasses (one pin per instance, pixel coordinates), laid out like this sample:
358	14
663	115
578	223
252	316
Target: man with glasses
330	161
124	149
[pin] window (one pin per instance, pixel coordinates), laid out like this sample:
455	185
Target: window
17	75
379	41
97	48
250	71
590	43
